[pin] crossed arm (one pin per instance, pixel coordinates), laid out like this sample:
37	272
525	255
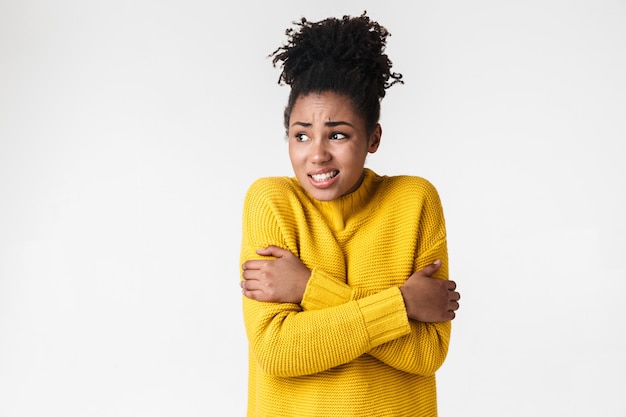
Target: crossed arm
284	279
430	304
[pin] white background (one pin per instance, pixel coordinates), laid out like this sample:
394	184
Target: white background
130	131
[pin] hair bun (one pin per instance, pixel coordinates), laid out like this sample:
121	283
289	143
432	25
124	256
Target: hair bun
350	45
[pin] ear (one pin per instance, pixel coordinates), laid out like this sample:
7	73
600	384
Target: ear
374	140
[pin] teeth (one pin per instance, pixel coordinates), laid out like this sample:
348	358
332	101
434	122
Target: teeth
325	176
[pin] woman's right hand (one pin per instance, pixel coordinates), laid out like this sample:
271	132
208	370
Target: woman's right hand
428	299
282	279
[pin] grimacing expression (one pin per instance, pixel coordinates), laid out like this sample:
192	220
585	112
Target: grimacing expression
328	144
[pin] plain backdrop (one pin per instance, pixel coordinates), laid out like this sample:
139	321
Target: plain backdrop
130	131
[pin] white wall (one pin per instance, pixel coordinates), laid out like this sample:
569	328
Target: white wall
130	130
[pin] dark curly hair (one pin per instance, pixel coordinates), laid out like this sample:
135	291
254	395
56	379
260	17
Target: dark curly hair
346	56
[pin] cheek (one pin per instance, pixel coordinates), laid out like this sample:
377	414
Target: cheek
296	149
294	157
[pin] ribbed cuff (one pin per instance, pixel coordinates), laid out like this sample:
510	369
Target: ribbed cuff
323	290
385	316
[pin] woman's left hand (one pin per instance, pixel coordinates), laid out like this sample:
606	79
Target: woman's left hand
282	279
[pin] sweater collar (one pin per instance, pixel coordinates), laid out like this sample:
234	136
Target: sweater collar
339	211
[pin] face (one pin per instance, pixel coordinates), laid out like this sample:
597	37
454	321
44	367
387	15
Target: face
328	144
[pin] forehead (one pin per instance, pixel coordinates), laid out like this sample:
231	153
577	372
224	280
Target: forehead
323	106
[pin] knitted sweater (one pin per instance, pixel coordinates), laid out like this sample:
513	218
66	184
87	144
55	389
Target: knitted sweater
348	349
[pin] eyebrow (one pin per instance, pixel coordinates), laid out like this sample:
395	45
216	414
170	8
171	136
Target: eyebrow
328	124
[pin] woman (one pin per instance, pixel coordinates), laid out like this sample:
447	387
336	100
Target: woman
347	303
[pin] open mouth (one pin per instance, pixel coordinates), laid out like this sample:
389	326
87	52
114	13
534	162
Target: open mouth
324	176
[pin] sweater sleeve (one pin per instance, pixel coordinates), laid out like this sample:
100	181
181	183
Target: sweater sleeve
285	339
425	348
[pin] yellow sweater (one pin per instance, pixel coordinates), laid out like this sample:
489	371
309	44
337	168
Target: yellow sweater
348	349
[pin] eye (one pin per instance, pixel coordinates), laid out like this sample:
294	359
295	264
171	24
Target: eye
338	135
301	137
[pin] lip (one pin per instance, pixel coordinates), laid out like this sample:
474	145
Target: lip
325	183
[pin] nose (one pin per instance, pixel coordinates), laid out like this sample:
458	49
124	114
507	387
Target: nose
320	152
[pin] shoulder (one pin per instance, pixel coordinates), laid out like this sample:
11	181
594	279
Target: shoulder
272	190
409	187
412	197
268	186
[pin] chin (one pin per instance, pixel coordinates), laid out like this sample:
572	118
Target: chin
323	196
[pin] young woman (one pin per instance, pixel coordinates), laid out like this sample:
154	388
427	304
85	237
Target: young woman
347	303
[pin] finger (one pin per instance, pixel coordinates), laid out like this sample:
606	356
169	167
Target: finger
451	285
252	274
455	296
248	285
251	285
429	270
250	294
253	264
255	295
454	306
272	250
447	316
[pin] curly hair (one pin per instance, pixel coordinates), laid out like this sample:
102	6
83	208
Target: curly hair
346	56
